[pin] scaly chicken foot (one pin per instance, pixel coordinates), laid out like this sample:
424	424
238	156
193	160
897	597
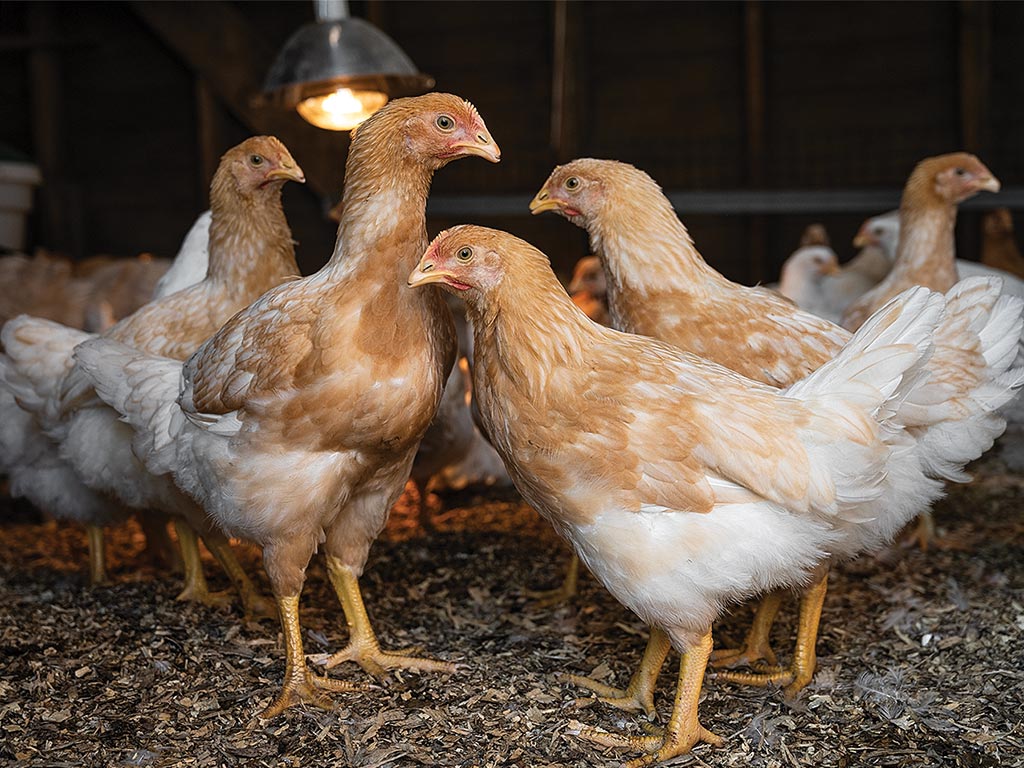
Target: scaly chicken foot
756	646
805	659
569	588
363	647
684	730
97	555
300	685
196	589
639	694
256	606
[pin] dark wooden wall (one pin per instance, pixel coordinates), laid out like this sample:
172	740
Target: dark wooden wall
128	105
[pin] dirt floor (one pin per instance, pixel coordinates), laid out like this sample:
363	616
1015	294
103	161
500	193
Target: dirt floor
921	655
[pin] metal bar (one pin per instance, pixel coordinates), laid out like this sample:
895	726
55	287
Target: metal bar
768	201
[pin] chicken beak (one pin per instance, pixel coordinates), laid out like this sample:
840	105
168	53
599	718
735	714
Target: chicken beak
544	202
426	273
287	173
484	147
989	183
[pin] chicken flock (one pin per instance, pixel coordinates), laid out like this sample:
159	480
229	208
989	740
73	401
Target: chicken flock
697	442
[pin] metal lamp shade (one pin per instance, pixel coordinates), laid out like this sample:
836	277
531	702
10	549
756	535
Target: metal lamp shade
346	53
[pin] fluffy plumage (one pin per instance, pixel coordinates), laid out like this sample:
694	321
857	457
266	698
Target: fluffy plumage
659	286
682	485
295	426
250	251
926	252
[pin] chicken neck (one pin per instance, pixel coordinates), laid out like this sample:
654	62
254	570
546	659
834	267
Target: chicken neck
251	248
926	253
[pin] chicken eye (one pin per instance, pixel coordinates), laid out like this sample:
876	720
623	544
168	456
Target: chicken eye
256	159
444	122
572	183
464	254
959	171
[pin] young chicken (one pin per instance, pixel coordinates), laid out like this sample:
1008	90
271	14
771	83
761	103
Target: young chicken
811	279
659	286
296	425
589	289
926	252
999	248
250	251
682	485
883	232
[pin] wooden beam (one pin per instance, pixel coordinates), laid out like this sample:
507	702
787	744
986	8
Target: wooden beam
566	93
218	43
210	132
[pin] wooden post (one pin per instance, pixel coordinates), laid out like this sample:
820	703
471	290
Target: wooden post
209	116
754	100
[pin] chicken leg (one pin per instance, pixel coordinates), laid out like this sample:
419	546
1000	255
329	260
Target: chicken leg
563	593
801	669
97	555
256	606
363	647
159	547
684	730
196	588
639	694
756	646
299	684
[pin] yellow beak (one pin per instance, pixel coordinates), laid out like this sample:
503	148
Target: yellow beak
990	183
544	202
288	173
484	147
425	273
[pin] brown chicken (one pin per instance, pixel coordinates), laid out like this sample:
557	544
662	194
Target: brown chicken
998	245
296	425
682	485
589	289
926	254
251	250
659	286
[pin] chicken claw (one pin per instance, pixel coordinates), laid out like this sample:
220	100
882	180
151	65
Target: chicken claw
196	589
805	659
755	646
363	647
299	684
639	694
683	731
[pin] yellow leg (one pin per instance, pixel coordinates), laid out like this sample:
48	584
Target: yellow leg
925	532
97	555
684	730
639	694
805	659
299	684
256	606
363	647
756	645
195	582
562	594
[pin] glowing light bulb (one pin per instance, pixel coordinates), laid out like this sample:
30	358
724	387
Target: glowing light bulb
341	110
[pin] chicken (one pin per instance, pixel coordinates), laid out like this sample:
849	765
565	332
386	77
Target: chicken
682	485
589	289
926	251
998	246
883	232
38	473
190	265
44	285
815	234
250	251
119	288
811	279
659	286
296	425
